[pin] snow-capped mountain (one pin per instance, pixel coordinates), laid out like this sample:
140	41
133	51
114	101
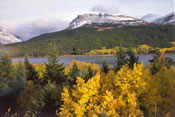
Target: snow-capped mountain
7	38
81	20
166	20
150	18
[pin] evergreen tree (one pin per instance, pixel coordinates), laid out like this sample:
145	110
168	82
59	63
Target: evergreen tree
159	61
105	67
47	101
5	68
74	51
89	74
12	78
132	59
21	75
54	70
5	75
74	73
120	59
31	73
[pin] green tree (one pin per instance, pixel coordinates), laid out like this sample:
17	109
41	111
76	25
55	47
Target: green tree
120	59
74	73
47	98
5	75
105	67
89	74
31	73
12	80
74	51
47	101
5	68
54	70
20	75
159	61
132	59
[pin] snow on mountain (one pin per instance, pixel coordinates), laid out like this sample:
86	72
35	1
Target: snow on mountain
7	38
166	20
81	20
150	17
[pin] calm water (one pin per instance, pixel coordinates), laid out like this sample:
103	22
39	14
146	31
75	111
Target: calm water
90	59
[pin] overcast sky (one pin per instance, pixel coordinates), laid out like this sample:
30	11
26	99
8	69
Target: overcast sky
41	16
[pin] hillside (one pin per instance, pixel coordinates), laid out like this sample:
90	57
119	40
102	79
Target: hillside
95	36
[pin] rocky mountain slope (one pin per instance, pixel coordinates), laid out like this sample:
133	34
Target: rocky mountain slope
166	20
150	18
7	38
81	20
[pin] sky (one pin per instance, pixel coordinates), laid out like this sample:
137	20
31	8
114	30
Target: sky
29	18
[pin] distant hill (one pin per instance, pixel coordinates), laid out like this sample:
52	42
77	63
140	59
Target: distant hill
95	36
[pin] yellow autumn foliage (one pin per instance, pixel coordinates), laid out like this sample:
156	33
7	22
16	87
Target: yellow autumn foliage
167	50
41	69
161	92
82	66
115	94
102	52
173	42
141	49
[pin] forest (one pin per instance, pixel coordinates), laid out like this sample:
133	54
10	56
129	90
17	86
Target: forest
87	38
126	89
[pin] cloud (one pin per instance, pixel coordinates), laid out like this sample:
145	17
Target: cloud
104	9
34	28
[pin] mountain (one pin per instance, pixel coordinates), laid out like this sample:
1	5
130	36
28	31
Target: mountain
150	17
7	38
90	31
81	20
95	36
166	20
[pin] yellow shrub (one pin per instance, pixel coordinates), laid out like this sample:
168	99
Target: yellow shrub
112	93
83	66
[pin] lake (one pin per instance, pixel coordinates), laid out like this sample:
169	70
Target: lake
90	59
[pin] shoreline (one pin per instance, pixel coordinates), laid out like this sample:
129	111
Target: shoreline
108	55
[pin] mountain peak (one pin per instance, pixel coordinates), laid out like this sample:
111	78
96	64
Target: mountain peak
6	37
100	18
150	17
166	20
